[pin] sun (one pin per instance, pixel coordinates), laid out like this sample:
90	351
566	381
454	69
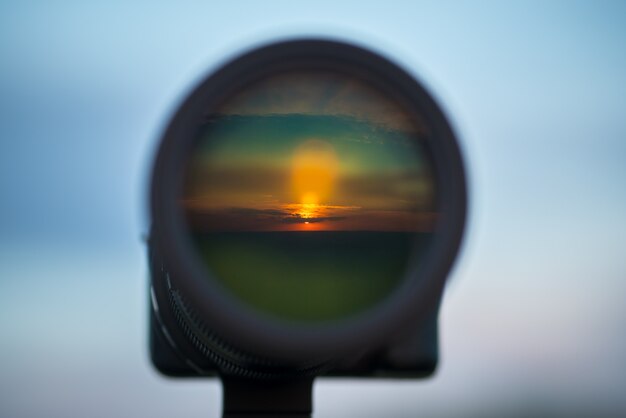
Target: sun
313	172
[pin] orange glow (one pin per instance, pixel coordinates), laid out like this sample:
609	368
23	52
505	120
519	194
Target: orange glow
309	198
313	173
307	210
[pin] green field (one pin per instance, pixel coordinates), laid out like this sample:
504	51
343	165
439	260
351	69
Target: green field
310	276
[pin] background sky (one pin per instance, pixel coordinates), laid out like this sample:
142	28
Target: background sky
533	321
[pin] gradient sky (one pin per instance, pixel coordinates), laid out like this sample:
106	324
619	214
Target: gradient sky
533	321
309	152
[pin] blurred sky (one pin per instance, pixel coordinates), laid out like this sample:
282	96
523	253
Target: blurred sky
533	322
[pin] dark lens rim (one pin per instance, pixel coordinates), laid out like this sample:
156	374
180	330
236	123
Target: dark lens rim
245	327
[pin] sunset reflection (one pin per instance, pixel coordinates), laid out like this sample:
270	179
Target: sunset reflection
310	152
308	194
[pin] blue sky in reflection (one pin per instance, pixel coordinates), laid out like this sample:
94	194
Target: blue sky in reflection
533	321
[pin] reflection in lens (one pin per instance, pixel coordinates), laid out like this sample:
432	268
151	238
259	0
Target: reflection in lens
308	194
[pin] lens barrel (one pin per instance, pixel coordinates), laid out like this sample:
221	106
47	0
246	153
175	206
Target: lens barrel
212	258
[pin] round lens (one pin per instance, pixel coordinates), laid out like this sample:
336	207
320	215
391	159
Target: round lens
309	195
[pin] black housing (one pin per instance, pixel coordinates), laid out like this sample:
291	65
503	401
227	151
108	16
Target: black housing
199	330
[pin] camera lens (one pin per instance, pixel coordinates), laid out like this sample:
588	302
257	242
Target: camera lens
308	200
309	194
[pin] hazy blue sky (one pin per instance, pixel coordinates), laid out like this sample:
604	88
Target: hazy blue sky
533	323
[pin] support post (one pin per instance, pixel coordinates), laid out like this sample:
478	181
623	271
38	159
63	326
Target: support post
251	398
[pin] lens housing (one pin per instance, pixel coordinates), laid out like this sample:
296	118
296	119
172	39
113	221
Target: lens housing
238	338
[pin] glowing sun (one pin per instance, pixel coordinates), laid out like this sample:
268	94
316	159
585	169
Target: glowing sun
313	174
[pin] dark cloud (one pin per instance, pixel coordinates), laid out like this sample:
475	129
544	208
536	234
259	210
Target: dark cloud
262	213
242	218
296	219
279	215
